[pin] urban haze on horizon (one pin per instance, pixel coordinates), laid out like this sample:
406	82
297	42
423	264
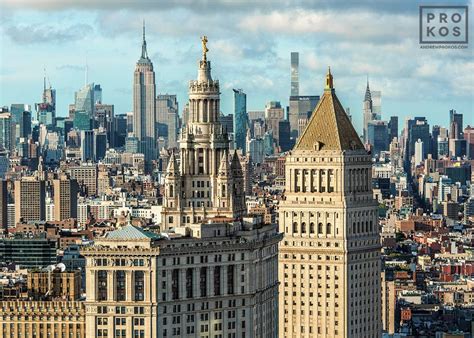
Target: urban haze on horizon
221	169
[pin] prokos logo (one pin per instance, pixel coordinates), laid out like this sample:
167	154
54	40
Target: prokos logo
443	24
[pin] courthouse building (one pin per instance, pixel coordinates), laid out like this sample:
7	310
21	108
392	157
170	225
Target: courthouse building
329	260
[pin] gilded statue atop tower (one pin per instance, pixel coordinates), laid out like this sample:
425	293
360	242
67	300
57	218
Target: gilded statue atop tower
204	47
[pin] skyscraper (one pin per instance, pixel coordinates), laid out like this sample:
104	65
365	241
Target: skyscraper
393	127
377	137
167	118
47	108
3	206
274	113
6	132
241	119
84	99
207	182
455	125
295	85
144	104
300	107
329	264
30	197
368	111
65	198
87	145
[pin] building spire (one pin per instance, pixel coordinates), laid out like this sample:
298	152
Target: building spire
44	79
329	80
368	96
144	52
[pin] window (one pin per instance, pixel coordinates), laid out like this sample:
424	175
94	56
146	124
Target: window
175	284
295	227
120	285
311	228
189	283
102	285
139	285
303	228
230	280
328	228
217	280
203	281
320	228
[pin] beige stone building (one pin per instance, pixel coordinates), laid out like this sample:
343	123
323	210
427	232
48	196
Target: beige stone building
22	318
220	280
330	255
206	181
65	198
30	194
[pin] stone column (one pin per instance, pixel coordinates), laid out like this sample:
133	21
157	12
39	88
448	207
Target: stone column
129	287
110	285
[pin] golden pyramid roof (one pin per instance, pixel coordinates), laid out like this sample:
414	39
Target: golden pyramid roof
329	127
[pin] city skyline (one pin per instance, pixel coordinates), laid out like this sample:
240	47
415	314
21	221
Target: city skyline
256	60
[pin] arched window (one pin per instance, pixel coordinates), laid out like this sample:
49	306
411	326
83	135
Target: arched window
139	286
320	228
328	229
295	227
303	228
311	228
171	190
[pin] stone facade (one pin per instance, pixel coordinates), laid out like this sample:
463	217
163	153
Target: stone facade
206	181
219	281
330	255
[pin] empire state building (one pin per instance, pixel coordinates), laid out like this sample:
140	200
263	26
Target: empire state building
144	93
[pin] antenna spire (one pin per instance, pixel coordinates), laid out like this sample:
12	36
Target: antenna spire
144	51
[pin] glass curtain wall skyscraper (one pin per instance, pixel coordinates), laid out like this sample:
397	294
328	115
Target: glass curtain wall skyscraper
241	119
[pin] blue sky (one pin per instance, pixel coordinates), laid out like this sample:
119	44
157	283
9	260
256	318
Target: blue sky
250	44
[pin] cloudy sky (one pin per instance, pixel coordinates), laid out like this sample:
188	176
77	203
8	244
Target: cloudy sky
250	44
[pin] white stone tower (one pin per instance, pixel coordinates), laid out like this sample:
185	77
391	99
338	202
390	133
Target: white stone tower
210	183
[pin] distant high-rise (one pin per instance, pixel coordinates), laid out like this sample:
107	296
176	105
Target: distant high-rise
241	119
87	145
469	137
84	99
329	261
144	105
393	127
97	94
377	137
368	111
65	198
295	85
167	118
6	141
376	104
301	107
46	110
274	113
455	125
30	197
3	206
100	144
419	156
416	128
